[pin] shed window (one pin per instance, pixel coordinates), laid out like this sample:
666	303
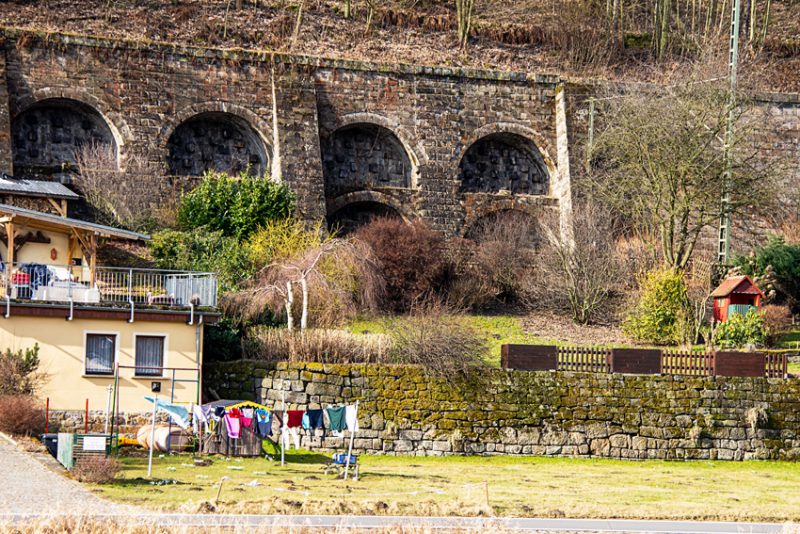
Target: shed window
100	354
149	355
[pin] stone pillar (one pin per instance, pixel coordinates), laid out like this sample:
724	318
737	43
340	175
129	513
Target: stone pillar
562	188
297	135
6	164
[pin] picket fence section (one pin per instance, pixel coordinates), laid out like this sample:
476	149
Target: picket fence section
643	361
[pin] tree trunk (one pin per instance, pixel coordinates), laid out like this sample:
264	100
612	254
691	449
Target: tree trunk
304	314
289	302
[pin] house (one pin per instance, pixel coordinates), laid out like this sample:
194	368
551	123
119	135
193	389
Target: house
735	295
136	330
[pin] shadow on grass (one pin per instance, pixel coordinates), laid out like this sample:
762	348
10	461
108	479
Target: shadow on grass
305	458
147	482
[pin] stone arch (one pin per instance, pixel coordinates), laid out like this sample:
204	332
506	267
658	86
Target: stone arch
351	210
414	148
508	206
366	153
505	156
46	134
218	141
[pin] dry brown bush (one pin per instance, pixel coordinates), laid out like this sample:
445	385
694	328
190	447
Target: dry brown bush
436	339
777	319
97	469
411	259
496	261
316	345
21	415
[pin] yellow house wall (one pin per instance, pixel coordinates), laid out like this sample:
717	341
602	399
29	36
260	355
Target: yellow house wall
40	252
62	354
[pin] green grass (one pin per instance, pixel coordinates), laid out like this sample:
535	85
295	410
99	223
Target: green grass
497	330
518	486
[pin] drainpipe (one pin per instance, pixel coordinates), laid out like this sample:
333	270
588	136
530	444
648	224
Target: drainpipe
191	313
130	301
70	310
8	307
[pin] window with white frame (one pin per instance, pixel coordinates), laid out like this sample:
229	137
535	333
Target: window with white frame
100	350
149	355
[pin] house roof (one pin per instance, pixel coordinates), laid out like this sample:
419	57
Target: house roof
741	285
34	188
48	221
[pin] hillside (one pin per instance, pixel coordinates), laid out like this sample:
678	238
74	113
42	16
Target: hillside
568	38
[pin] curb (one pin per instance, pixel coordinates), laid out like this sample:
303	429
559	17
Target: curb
9	439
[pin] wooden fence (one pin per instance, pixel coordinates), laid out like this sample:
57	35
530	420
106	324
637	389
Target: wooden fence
643	361
584	359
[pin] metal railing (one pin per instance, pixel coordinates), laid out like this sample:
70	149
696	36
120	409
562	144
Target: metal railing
115	285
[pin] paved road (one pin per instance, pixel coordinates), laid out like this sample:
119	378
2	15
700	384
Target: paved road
337	523
27	486
29	489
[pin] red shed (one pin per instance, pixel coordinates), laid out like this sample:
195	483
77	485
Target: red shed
736	294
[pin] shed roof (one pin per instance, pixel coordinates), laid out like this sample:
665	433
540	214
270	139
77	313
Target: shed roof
741	285
48	221
34	188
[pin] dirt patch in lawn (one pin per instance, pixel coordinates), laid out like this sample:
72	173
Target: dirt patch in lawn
562	328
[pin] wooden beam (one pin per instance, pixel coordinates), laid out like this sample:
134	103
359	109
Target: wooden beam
93	259
10	244
60	207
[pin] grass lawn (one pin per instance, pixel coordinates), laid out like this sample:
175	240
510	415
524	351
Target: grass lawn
497	330
515	486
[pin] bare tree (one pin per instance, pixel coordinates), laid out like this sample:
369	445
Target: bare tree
102	182
340	272
464	11
583	273
660	164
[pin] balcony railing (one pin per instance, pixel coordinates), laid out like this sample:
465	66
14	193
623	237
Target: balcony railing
109	285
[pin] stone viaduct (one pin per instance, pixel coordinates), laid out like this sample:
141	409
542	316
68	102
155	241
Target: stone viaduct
352	139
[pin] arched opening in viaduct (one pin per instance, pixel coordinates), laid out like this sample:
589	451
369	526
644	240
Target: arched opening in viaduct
46	137
216	141
504	162
364	156
521	227
350	217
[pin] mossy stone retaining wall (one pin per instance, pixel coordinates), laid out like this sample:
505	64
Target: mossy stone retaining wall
406	411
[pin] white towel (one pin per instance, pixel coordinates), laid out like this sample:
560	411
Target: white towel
351	418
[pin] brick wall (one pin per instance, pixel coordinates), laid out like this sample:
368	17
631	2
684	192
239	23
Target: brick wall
404	411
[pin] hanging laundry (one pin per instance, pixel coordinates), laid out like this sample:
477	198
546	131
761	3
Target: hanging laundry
235	412
316	419
294	418
219	412
232	425
351	418
263	423
336	418
291	431
178	413
306	424
247	417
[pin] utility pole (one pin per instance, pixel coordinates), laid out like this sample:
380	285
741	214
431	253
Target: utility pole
724	249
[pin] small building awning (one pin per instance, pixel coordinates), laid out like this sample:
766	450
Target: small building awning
35	188
56	223
740	285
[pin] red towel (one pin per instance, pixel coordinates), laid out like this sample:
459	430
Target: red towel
235	413
295	418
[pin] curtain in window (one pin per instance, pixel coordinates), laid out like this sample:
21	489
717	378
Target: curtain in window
100	354
149	355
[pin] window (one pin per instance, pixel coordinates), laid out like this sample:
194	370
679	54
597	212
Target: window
100	350
149	355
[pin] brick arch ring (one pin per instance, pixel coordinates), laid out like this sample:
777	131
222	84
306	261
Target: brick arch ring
114	120
413	147
259	125
342	201
530	134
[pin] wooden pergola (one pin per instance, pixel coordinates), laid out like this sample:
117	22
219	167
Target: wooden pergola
82	234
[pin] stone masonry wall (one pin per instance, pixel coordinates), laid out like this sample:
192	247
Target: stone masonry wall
403	411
